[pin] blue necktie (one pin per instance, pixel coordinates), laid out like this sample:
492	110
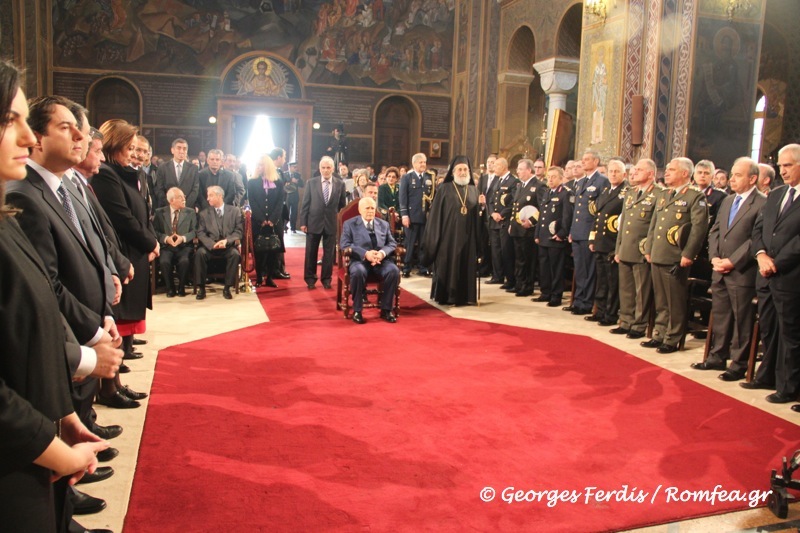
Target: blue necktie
326	190
67	203
735	209
788	201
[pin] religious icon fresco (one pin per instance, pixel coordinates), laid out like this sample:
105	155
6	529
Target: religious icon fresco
392	44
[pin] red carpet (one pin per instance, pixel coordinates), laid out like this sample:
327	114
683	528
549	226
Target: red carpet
312	423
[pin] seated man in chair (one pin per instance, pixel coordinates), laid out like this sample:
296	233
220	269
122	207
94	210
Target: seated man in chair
219	230
176	228
370	241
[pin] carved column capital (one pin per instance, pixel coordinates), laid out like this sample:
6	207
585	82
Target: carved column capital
557	74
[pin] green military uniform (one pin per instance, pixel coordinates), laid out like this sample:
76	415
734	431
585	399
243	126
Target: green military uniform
635	281
678	229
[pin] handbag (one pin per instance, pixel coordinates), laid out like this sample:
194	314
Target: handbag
267	243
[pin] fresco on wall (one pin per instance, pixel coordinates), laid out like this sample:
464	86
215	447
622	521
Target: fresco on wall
722	97
262	76
393	44
601	54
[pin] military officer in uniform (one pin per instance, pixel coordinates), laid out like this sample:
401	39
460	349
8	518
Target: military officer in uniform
499	214
586	190
677	231
523	229
552	231
635	281
603	242
414	186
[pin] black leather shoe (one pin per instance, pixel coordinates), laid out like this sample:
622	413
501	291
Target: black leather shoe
756	385
511	289
577	311
555	303
506	286
182	292
619	331
388	316
101	473
124	369
201	293
406	274
731	376
326	284
607	323
107	455
494	281
283	275
85	504
118	401
777	397
796	408
652	343
226	293
311	286
358	318
107	432
132	394
635	335
171	294
667	348
132	355
270	283
540	299
593	318
523	294
705	365
139	342
568	308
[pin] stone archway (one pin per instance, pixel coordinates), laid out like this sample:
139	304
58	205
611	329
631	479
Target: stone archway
114	98
397	125
517	90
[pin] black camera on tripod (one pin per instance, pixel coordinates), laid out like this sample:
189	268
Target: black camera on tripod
778	500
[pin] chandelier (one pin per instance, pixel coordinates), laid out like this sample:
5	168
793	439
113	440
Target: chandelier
735	6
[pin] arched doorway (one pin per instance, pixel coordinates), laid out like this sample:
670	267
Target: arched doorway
114	98
518	91
569	46
396	131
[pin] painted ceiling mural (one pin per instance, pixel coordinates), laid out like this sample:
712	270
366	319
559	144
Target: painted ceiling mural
392	44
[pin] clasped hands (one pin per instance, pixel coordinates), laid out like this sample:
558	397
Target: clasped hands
175	240
766	265
723	266
374	257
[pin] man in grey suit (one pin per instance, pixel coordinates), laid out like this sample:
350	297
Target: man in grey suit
178	172
220	227
176	228
324	197
370	241
733	284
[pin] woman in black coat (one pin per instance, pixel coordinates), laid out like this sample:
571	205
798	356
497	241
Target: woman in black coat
34	376
266	195
117	187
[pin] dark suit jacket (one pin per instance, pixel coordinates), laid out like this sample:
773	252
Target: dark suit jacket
533	194
606	227
503	190
779	237
223	178
588	190
265	207
356	237
733	242
412	189
166	179
318	217
74	272
187	225
555	218
209	231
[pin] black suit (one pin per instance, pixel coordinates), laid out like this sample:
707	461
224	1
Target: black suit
179	255
212	229
224	179
530	193
266	207
34	383
604	240
503	190
485	250
319	219
779	295
733	293
166	179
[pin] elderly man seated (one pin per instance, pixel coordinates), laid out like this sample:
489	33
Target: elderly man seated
176	228
219	230
370	242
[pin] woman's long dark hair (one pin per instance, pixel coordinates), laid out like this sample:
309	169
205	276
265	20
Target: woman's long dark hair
9	85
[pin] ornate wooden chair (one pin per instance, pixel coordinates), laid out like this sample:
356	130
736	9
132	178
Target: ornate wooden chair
372	289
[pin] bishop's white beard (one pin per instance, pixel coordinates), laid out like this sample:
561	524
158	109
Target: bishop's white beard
461	181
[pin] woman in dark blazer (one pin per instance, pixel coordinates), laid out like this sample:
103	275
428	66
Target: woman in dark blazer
34	377
266	196
117	188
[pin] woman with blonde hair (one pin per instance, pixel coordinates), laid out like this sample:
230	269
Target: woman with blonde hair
266	196
361	177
